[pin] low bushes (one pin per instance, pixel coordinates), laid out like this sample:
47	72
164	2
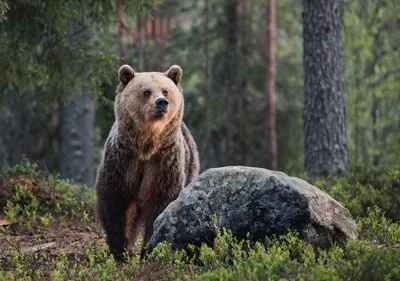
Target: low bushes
30	199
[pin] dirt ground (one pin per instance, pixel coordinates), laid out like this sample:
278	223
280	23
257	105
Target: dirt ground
47	243
69	238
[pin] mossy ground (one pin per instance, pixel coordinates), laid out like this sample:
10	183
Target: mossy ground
49	232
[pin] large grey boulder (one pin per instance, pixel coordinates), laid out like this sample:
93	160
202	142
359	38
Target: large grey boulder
255	201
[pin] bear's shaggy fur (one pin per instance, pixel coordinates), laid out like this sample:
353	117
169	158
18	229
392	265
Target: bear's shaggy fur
148	158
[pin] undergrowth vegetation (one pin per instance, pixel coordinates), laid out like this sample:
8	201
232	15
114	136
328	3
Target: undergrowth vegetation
32	200
360	190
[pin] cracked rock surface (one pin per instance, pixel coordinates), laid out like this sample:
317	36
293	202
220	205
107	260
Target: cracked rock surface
253	201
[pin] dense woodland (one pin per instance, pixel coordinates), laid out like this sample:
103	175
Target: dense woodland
310	87
288	85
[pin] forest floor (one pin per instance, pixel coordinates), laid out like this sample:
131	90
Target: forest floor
48	231
68	238
28	231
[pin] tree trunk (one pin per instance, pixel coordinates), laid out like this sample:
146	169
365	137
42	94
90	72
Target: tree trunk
24	122
272	146
121	30
76	139
77	123
11	130
244	49
164	32
375	138
207	89
324	119
162	40
141	23
233	155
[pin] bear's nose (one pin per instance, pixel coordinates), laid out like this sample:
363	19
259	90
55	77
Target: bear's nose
162	103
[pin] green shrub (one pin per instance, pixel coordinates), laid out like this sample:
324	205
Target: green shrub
359	191
375	227
30	198
375	255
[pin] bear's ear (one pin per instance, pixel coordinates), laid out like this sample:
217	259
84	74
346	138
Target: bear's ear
126	74
174	73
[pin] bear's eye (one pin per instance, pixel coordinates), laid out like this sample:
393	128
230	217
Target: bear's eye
147	93
165	93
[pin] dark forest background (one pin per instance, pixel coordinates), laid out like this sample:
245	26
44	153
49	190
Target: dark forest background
261	87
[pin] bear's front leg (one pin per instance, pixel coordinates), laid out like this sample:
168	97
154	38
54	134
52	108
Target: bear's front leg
151	210
132	226
112	211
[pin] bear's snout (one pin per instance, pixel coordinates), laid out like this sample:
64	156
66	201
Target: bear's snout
162	104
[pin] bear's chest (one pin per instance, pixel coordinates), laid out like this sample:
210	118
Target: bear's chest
160	176
133	175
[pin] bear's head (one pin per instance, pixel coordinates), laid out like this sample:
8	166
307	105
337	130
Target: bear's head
149	105
149	98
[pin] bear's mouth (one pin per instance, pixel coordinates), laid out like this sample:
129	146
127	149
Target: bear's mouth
160	112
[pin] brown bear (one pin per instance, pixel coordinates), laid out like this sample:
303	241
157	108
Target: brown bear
149	156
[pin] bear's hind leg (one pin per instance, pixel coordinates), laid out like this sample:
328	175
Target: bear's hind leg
112	212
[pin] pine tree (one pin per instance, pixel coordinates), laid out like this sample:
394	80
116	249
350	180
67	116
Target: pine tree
270	85
50	50
324	118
